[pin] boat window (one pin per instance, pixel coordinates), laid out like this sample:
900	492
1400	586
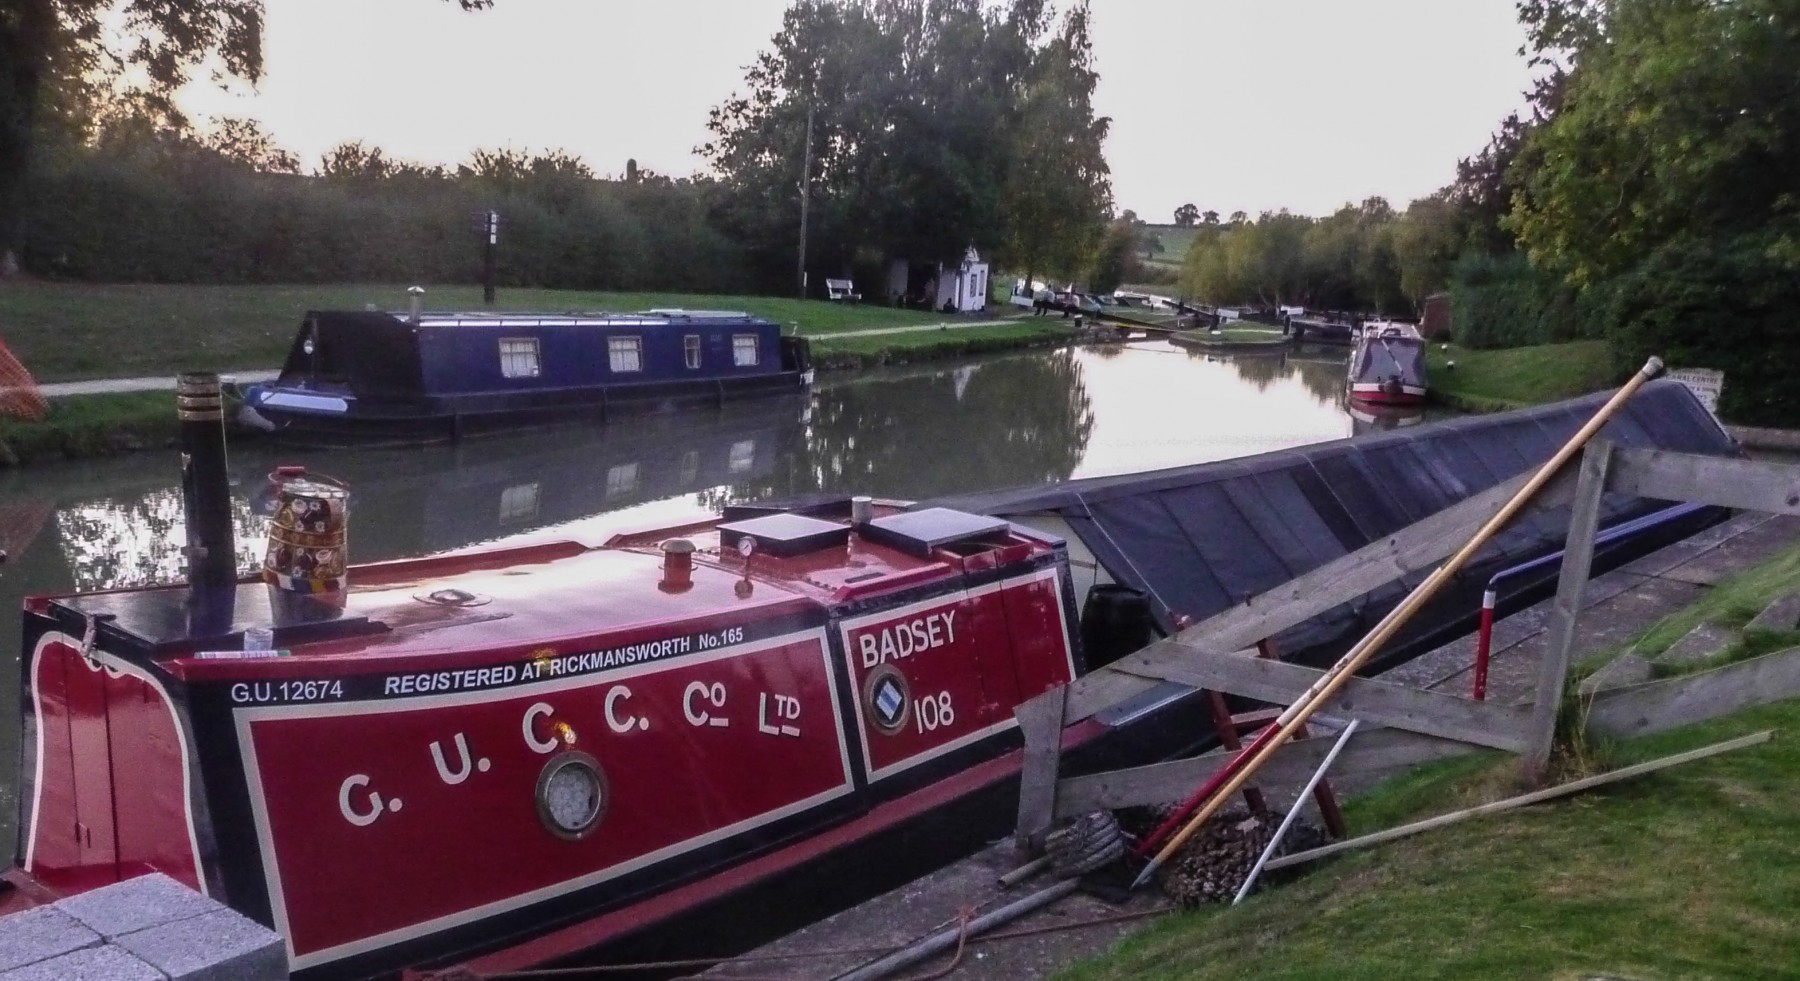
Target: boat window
626	353
743	349
690	467
691	344
743	456
622	479
518	357
519	503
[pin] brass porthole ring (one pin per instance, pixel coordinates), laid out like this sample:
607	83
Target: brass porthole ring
572	795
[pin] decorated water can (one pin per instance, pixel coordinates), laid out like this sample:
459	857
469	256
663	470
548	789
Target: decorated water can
307	533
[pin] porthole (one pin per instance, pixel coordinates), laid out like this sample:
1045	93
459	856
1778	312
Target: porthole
572	795
888	700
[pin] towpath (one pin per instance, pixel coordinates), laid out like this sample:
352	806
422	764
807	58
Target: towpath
1618	606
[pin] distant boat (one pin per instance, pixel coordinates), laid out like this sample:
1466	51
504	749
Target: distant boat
359	376
1388	365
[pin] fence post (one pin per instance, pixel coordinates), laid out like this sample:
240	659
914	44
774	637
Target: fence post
1040	720
1571	588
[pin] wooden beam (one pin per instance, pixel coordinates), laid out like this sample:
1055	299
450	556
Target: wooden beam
1577	564
1755	485
1652	707
1374	753
1561	790
1040	720
1489	724
1411	549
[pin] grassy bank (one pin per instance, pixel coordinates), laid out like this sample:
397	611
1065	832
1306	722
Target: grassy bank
64	331
1231	337
1488	381
926	345
1688	873
91	425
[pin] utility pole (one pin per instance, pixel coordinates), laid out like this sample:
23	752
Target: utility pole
489	263
805	193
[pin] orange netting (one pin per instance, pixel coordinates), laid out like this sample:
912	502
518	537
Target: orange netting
19	394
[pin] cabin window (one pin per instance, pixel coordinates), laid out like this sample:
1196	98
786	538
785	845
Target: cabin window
691	346
690	467
743	350
519	503
625	353
518	357
622	479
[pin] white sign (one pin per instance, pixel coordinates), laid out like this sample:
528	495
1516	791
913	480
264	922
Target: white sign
1705	383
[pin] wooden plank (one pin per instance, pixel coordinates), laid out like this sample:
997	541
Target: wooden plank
1489	724
1040	720
1755	485
1413	548
1577	565
1535	797
1652	707
1374	753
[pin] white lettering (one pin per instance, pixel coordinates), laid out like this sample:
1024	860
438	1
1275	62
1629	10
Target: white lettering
713	695
444	774
531	714
626	722
786	708
903	640
361	819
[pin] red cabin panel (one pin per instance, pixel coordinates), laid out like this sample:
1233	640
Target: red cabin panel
347	796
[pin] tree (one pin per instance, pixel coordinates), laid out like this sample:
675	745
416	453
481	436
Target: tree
1679	122
245	141
1238	218
1187	216
49	46
1211	217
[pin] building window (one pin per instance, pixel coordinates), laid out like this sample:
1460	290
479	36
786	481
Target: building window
625	353
691	346
518	357
743	350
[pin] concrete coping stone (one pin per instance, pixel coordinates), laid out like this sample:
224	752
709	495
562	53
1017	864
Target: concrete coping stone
107	963
38	935
1700	643
1626	669
136	904
1782	614
218	946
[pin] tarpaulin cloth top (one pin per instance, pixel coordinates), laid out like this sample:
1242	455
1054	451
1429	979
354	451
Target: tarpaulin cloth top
1200	539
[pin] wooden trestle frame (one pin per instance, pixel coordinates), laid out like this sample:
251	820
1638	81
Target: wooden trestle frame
1404	727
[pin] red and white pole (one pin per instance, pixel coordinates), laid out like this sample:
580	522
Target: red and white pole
1484	643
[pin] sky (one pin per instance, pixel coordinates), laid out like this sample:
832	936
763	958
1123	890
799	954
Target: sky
1233	105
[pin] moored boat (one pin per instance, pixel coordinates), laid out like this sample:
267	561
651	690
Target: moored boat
372	376
1387	367
531	751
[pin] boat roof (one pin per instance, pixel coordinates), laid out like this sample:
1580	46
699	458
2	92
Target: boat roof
648	318
569	597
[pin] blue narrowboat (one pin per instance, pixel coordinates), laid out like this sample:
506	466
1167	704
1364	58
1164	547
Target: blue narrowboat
360	376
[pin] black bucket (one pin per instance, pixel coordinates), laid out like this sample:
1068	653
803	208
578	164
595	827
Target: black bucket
1115	621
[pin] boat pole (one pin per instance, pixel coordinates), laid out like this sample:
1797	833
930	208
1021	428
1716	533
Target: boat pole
1340	674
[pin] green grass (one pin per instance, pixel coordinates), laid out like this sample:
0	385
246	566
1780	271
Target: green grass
63	331
91	425
917	345
1515	377
1229	336
1693	872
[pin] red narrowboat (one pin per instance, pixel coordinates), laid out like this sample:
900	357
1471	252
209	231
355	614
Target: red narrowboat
524	752
1387	366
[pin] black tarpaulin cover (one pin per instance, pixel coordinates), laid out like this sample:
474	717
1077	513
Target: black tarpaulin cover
1202	538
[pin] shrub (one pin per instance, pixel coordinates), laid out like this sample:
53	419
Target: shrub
1501	301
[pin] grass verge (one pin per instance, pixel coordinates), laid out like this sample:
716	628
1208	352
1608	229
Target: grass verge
1492	381
926	345
1688	873
66	331
91	425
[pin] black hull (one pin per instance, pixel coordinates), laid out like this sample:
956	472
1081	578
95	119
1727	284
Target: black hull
440	420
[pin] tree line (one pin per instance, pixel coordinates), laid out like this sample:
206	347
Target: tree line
913	129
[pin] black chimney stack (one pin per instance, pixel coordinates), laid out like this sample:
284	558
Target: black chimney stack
205	489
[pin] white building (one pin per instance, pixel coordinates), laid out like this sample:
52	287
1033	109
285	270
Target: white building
962	287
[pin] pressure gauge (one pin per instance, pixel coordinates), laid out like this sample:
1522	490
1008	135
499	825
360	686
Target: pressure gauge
746	547
572	795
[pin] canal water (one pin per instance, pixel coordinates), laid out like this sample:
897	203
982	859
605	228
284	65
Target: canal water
901	432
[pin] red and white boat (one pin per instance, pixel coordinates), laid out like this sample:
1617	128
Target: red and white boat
510	757
1387	366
